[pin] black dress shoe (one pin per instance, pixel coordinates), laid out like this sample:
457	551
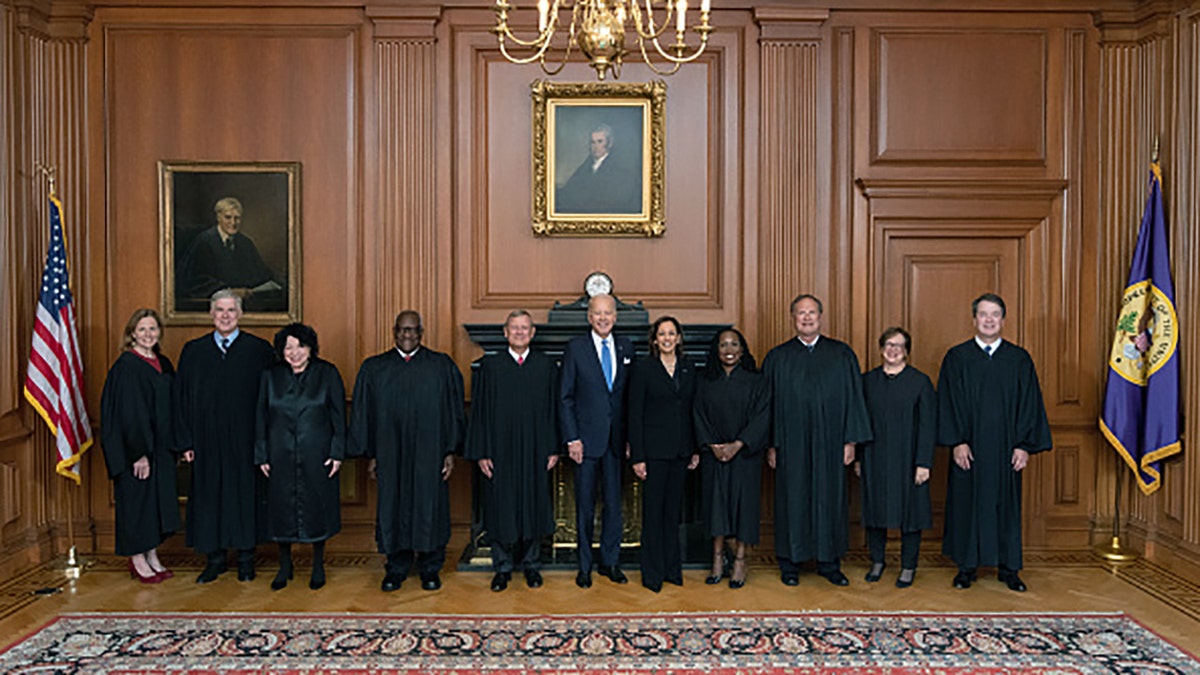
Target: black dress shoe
963	579
713	579
736	583
836	578
583	579
245	572
674	581
653	586
391	582
614	573
210	574
281	578
790	579
901	582
500	581
533	578
1013	582
317	580
431	583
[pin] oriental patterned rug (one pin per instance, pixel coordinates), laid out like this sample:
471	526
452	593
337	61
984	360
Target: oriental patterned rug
682	644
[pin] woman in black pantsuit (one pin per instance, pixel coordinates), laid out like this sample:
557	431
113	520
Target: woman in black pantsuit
135	430
661	389
301	442
732	426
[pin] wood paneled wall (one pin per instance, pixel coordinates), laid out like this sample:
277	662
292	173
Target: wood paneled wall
896	159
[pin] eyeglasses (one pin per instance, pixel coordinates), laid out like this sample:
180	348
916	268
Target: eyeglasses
893	345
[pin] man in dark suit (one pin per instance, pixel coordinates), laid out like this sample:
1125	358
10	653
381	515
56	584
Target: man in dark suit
223	257
592	416
605	182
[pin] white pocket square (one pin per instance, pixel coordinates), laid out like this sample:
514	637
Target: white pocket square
626	361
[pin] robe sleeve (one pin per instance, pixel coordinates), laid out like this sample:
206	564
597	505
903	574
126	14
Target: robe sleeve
112	400
637	414
1033	429
360	414
335	405
858	422
758	423
480	422
454	421
261	419
952	422
182	399
926	420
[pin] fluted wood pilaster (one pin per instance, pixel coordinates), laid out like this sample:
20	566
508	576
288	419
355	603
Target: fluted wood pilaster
1184	209
402	251
789	256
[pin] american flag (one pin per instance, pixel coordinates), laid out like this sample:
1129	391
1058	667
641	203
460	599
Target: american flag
54	381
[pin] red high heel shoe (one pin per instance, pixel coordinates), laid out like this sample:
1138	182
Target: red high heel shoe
134	574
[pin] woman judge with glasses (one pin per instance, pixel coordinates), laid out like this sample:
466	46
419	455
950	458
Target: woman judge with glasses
894	467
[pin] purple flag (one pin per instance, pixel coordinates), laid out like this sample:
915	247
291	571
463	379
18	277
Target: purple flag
1141	402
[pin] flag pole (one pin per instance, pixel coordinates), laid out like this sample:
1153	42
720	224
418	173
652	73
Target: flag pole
1114	552
74	565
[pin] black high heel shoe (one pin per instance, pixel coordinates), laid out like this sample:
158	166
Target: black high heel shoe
714	579
734	582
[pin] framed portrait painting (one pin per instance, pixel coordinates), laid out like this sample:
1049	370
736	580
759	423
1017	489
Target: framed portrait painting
230	225
598	158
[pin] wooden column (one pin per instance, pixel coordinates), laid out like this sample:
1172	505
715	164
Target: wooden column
404	263
791	248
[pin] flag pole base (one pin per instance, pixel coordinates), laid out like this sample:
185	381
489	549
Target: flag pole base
1115	553
74	564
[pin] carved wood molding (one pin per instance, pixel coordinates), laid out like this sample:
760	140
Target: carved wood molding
918	188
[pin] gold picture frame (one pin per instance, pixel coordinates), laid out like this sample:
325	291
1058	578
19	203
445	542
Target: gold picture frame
599	158
260	260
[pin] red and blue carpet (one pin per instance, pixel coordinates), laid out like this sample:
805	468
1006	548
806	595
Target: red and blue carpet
682	644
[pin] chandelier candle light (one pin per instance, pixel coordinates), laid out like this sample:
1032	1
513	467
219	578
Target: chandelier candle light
598	28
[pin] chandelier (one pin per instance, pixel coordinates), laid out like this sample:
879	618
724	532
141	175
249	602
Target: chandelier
598	29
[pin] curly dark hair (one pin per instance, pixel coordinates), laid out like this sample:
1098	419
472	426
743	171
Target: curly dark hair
304	334
712	359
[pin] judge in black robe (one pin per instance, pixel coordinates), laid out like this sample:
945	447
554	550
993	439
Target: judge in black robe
300	444
895	464
990	412
732	421
818	416
135	432
407	418
216	397
662	448
513	438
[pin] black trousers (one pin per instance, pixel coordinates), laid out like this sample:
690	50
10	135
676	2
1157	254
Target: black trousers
428	563
662	504
787	566
910	546
529	551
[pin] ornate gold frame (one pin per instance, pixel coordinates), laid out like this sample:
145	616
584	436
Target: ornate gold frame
548	97
244	188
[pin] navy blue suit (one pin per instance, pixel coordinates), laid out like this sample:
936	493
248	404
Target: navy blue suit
590	413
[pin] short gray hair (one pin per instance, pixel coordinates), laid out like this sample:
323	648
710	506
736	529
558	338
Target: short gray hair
224	294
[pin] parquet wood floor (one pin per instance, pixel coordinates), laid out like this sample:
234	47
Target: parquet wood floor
1058	581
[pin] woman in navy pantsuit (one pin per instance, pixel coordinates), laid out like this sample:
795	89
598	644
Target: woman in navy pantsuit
661	447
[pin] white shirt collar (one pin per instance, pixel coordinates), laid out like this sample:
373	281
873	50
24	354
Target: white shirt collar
984	345
810	345
597	162
518	357
410	355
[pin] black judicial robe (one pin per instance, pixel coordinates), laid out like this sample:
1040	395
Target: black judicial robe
903	410
216	397
135	422
817	406
994	405
734	407
301	424
408	416
514	423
